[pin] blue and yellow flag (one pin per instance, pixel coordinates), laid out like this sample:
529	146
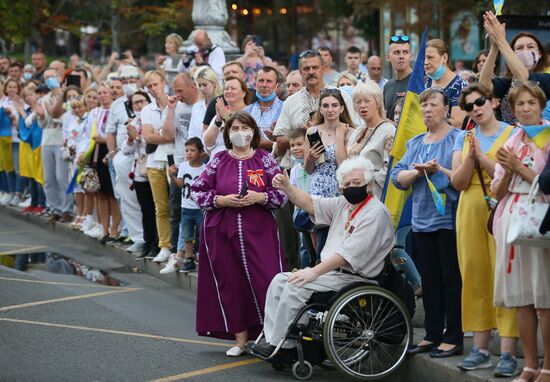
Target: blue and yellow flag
30	151
6	159
539	134
498	4
410	125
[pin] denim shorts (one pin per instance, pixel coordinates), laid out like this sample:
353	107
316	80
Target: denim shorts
190	225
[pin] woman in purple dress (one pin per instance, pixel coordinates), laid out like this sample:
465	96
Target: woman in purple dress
239	245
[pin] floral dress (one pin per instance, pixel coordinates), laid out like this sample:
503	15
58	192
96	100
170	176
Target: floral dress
323	180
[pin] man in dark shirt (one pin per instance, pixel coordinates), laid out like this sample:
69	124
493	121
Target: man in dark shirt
39	62
400	57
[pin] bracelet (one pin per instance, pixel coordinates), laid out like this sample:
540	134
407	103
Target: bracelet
218	123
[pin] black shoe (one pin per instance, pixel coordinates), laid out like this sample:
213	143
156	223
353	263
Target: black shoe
438	353
262	350
152	253
417	349
141	255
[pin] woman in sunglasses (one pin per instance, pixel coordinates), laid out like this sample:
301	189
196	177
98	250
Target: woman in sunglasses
522	275
438	73
474	159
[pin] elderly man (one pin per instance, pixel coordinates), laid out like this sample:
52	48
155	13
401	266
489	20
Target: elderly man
374	67
267	108
360	236
119	114
399	55
294	83
208	54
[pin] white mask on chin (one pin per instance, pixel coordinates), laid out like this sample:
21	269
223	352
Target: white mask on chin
241	138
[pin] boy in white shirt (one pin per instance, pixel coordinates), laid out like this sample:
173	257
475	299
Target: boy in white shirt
191	214
301	179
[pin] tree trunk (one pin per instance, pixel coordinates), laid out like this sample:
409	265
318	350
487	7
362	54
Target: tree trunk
115	26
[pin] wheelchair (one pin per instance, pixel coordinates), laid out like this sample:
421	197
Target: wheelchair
363	330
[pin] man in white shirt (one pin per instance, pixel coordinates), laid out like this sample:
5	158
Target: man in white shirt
153	118
208	54
116	133
187	95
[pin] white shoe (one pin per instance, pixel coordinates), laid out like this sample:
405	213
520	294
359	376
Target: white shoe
25	203
15	200
235	351
95	232
163	255
171	265
6	199
88	224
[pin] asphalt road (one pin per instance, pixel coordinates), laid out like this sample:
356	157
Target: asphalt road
58	327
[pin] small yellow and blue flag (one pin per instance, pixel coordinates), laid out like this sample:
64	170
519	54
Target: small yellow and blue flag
539	134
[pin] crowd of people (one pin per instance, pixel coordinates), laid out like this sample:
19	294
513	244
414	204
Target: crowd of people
245	170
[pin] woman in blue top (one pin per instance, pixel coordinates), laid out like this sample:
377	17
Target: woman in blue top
438	74
430	155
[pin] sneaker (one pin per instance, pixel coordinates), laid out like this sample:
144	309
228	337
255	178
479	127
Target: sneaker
15	200
163	256
188	266
136	247
38	210
172	265
96	232
507	366
25	203
476	360
5	200
152	253
27	210
88	224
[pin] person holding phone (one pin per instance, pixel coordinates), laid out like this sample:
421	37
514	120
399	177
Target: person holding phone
253	59
326	148
239	249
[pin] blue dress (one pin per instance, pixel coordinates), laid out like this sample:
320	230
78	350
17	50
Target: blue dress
323	180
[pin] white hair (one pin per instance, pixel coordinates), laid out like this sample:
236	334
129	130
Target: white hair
369	88
355	163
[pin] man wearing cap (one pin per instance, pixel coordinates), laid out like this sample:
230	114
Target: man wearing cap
119	114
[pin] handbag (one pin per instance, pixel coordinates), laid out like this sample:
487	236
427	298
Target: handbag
492	208
66	154
90	180
526	219
302	221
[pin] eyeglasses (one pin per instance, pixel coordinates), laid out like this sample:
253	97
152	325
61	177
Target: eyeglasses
140	102
519	83
330	91
478	102
397	39
309	53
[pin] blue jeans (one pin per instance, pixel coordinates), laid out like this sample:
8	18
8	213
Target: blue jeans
322	234
401	260
20	182
190	225
37	193
3	182
307	251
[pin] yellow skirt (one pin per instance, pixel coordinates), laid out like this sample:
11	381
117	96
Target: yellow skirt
26	160
476	258
6	157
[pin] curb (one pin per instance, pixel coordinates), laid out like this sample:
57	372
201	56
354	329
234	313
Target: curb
181	280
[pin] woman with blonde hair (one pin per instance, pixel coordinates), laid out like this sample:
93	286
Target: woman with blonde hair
373	139
209	87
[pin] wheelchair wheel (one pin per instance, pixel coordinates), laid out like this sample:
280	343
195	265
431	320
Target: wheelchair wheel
366	333
302	372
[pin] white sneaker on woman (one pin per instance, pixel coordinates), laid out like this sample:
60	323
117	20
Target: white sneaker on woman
235	351
163	255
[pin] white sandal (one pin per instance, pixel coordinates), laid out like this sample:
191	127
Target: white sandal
235	351
543	371
535	373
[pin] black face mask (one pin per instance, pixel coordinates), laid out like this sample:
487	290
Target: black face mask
355	195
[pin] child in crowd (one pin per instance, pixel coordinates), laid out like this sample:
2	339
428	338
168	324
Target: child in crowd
399	103
301	179
191	214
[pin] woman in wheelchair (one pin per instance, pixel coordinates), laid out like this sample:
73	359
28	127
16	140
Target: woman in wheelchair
359	239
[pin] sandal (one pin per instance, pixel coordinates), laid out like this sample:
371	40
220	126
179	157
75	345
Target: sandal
534	372
543	371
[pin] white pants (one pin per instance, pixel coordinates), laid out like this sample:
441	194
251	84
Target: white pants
129	206
283	301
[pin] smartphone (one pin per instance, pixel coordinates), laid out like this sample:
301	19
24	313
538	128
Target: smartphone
257	40
314	138
129	112
73	80
244	190
170	160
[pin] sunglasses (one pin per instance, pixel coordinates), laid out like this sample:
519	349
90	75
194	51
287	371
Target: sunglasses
309	53
530	84
478	102
330	91
398	39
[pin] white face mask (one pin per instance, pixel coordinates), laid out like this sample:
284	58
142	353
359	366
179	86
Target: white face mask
529	58
129	89
241	138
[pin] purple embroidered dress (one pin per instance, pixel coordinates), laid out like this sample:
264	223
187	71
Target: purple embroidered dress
239	248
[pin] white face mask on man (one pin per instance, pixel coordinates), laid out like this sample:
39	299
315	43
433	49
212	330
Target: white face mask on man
129	89
241	138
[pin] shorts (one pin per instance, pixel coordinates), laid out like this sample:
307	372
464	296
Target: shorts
190	225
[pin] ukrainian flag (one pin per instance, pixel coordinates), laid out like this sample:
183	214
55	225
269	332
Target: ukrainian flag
6	159
30	151
410	125
539	134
